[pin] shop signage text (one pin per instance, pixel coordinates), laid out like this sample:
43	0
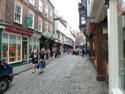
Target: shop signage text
18	30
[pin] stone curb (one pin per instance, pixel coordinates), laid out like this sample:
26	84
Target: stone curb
31	67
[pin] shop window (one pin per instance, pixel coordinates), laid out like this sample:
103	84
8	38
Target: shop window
121	28
12	48
34	44
18	13
5	47
18	48
11	45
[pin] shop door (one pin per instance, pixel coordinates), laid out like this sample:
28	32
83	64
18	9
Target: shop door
25	53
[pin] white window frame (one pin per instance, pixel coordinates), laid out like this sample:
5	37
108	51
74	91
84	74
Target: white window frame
51	16
40	6
18	4
30	12
32	2
40	25
46	26
5	32
51	28
46	11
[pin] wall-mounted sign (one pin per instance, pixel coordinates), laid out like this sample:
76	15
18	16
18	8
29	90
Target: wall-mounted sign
18	30
29	21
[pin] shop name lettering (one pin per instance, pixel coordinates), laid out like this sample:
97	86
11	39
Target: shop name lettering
17	30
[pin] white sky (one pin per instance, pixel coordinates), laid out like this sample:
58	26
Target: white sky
68	9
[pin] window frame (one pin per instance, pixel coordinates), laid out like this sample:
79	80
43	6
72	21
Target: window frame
30	12
21	15
46	26
46	11
40	7
32	2
40	25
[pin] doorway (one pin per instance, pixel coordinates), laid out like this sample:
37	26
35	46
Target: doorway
25	51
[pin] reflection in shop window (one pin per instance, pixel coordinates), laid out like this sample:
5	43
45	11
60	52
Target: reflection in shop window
5	47
18	48
121	28
34	44
12	48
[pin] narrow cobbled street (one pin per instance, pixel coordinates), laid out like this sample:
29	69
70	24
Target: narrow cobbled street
69	74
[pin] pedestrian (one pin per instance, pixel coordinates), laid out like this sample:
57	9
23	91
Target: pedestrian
83	52
42	61
34	56
57	52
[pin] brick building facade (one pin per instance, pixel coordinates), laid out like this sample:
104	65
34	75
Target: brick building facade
20	35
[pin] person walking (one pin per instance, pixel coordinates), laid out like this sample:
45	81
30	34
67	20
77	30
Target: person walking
57	52
42	60
34	56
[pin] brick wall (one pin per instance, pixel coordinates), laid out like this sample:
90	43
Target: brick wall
2	9
9	13
100	65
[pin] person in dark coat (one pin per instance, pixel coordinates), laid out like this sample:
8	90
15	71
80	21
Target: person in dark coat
57	53
34	56
42	60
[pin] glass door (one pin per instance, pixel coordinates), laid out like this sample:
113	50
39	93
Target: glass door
25	51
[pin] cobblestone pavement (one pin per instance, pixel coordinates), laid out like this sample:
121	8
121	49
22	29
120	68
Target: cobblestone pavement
67	75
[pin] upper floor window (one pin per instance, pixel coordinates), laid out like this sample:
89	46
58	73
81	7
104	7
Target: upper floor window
46	11
51	28
32	2
51	16
31	15
40	25
18	13
46	26
40	6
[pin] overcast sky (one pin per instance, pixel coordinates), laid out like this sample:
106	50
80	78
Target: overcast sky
68	9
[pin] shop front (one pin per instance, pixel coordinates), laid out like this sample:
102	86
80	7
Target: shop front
116	36
15	44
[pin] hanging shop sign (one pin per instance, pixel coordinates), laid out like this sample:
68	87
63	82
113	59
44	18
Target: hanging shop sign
18	30
92	27
29	21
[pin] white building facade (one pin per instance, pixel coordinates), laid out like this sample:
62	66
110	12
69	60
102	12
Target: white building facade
116	39
63	30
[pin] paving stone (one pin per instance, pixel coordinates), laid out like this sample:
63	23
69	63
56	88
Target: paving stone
69	74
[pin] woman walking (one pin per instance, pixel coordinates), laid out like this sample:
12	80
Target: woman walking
42	60
34	56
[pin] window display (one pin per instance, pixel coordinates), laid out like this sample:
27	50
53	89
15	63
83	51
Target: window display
5	47
11	45
12	48
18	48
121	26
34	44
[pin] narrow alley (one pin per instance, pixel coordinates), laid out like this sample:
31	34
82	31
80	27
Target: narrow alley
69	74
